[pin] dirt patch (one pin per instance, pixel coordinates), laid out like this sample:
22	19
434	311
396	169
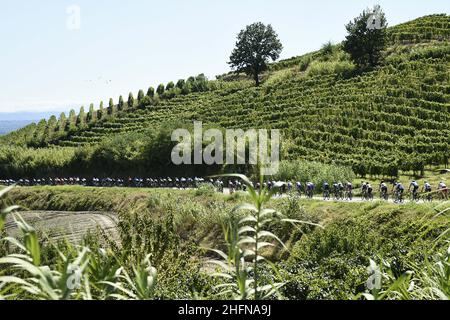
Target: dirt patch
72	226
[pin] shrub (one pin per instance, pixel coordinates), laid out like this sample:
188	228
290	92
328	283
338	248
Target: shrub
318	68
315	172
170	86
205	189
160	89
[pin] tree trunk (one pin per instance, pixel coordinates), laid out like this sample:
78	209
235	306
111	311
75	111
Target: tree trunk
256	77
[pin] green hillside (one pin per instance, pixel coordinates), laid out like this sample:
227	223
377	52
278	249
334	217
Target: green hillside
396	117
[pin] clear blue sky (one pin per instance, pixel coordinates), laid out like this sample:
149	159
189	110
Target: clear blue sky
138	43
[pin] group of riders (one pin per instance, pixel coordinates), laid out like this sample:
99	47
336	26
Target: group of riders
345	191
340	191
335	191
181	183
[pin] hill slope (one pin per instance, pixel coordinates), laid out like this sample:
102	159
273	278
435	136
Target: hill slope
395	117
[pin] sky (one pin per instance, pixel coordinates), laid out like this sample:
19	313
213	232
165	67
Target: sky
59	54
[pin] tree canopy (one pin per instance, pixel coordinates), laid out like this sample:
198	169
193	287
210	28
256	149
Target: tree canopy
367	37
257	44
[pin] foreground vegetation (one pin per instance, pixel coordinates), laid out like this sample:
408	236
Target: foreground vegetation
328	263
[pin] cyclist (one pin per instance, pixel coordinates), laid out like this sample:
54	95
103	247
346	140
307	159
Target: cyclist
369	191
289	186
310	189
340	190
413	189
299	188
398	190
444	190
427	188
383	190
326	191
349	191
231	186
364	190
335	191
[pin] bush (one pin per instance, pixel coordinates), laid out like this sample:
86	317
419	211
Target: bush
160	89
205	189
318	68
170	86
313	171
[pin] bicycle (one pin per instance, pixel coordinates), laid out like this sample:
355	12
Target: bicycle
384	195
443	194
414	196
349	195
336	195
399	197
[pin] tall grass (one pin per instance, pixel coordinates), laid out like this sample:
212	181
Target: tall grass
313	171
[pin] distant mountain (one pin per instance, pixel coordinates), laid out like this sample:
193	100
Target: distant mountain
28	116
15	120
8	126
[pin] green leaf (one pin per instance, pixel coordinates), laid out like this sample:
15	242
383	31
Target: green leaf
245	206
246	240
246	229
248	219
293	221
267	234
5	191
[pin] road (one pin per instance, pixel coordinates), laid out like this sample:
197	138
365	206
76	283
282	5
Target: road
354	200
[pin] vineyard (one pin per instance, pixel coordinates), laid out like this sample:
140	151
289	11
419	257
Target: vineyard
395	117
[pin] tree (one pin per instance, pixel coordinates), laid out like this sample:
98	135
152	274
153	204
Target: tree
145	101
62	122
180	84
187	88
81	119
151	92
200	83
39	133
256	45
170	86
71	123
141	95
112	107
51	128
130	100
92	115
367	38
160	89
121	103
100	112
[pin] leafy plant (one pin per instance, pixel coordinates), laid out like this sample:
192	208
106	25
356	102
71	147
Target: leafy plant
25	276
429	280
246	240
